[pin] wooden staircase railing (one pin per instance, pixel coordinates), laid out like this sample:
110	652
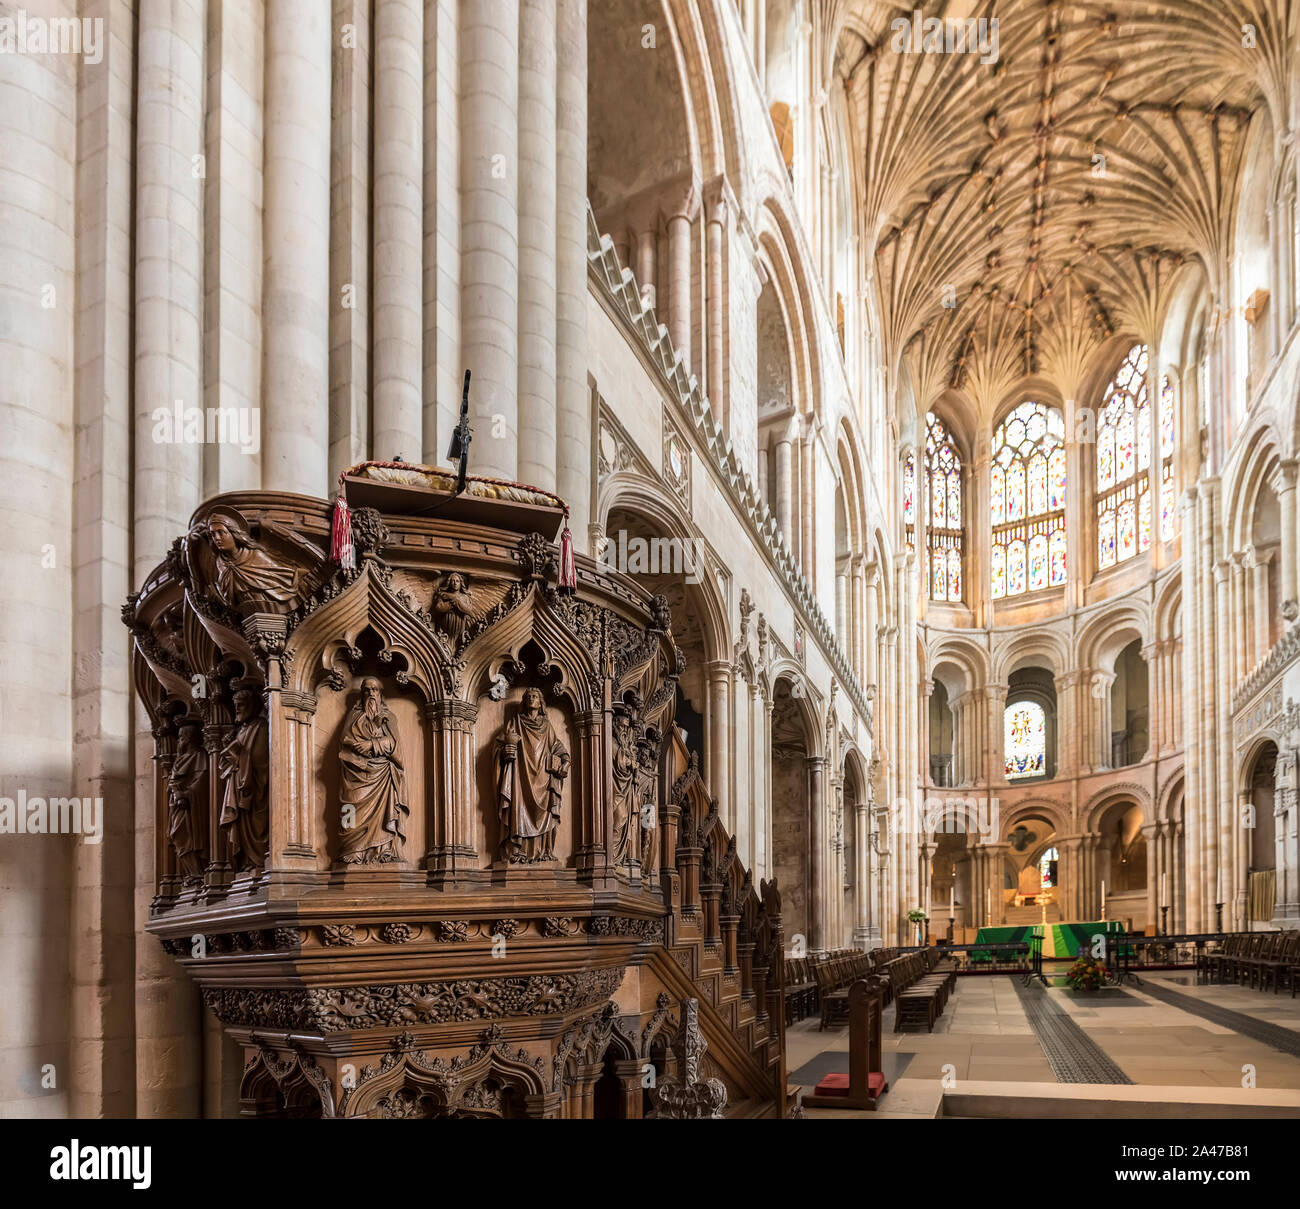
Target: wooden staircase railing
723	938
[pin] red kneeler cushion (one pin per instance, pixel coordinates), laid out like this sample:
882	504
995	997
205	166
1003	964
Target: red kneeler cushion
837	1084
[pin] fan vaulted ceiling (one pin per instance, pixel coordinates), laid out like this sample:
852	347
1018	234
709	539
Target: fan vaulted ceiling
1023	211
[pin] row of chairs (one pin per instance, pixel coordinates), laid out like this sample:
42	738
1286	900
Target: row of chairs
1260	960
922	983
819	985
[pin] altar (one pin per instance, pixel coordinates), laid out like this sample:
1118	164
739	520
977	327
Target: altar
1060	941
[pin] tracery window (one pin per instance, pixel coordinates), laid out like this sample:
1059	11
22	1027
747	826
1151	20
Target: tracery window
1123	464
943	512
1027	501
1168	502
1025	740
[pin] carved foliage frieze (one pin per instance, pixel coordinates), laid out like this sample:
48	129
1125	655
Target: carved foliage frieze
335	1009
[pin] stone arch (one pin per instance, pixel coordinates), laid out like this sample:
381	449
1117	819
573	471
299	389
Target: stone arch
1171	795
633	493
1028	647
960	652
1121	819
647	150
1168	611
1250	756
1053	812
1254	524
632	507
1110	631
1106	797
1257	802
701	43
796	746
778	250
1252	468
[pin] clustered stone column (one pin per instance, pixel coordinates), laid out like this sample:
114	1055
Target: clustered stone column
489	198
718	764
398	228
296	247
815	768
784	482
1284	485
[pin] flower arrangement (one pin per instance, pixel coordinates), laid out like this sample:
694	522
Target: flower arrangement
1087	973
919	918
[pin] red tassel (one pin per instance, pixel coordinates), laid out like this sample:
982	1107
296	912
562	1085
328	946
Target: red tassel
568	572
341	535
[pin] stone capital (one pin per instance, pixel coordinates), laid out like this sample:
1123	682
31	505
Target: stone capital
719	200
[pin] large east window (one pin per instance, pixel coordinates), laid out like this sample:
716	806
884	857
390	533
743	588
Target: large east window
1027	501
1124	463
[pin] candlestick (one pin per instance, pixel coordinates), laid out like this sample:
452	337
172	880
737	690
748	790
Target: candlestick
952	901
988	905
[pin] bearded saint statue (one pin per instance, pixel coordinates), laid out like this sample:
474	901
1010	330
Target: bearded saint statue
532	764
373	783
246	573
243	767
185	786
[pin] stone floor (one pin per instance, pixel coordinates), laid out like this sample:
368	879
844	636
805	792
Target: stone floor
986	1037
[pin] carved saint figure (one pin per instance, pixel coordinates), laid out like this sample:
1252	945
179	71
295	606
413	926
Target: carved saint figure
243	767
373	781
532	764
185	787
453	607
627	765
246	573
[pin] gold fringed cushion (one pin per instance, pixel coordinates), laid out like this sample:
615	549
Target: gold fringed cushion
436	479
409	489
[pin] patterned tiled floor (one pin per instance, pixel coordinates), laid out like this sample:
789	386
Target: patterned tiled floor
1158	1035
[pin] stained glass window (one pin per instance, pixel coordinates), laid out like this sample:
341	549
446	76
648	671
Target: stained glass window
1025	747
1123	462
1027	501
1047	867
943	505
1168	515
909	497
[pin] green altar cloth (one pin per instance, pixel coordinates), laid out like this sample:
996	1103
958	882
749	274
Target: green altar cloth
1062	940
999	936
